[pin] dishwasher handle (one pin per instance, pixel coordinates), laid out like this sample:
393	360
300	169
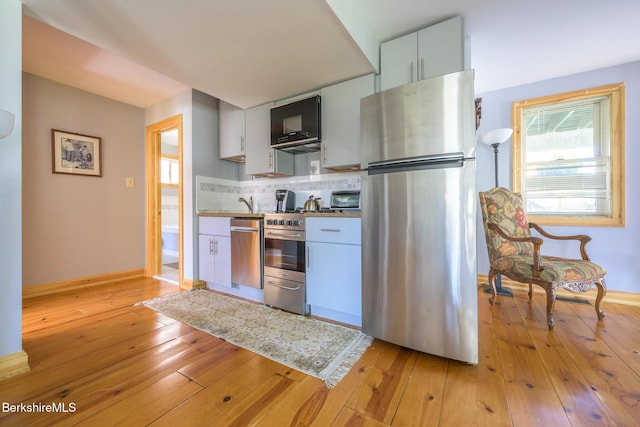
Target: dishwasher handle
245	229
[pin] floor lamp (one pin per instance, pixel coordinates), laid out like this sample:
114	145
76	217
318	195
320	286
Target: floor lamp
494	138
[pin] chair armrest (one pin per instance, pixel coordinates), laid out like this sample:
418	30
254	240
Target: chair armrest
580	237
536	241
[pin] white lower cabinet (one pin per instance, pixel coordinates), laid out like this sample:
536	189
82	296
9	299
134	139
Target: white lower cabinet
215	250
333	275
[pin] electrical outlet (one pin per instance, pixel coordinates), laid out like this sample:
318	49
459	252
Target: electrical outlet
129	182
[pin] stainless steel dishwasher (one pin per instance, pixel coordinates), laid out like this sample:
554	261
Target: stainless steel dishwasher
247	251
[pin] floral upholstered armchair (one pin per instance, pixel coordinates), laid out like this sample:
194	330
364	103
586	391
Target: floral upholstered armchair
515	253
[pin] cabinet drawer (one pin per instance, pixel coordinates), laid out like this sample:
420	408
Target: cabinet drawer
333	230
214	225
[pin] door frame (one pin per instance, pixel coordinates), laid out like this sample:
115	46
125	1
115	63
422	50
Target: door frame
153	256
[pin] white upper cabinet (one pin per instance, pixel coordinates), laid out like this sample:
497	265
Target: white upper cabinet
432	51
340	147
232	132
261	159
441	48
399	61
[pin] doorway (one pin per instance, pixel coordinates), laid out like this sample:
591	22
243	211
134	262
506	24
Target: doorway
164	253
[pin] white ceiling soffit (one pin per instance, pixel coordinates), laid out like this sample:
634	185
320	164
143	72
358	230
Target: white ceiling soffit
248	52
57	56
245	52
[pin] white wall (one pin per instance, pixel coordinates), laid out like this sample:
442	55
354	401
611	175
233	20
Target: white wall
615	248
80	226
10	180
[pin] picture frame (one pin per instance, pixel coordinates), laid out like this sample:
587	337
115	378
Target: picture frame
76	154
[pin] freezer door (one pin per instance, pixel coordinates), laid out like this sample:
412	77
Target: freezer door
428	117
419	280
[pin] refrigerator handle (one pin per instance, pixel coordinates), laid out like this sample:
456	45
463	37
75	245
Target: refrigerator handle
443	161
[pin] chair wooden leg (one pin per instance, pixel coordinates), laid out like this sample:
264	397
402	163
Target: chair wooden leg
551	302
492	282
530	291
602	290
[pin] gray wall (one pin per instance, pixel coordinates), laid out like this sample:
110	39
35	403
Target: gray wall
78	226
615	248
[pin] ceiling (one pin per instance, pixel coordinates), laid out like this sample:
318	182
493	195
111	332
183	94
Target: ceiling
249	52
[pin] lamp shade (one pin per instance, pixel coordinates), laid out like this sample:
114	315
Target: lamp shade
495	136
6	123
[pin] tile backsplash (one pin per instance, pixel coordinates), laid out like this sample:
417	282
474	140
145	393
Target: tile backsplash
221	195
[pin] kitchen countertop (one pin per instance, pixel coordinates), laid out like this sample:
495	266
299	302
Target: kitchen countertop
261	214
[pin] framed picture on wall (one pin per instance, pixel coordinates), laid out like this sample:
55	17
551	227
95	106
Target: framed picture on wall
76	154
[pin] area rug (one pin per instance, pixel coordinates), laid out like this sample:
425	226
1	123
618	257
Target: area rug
320	349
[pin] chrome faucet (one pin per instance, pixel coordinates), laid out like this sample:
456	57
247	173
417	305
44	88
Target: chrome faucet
249	203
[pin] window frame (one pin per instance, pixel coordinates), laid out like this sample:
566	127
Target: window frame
176	160
616	94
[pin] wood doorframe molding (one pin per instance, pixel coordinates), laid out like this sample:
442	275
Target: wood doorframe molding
153	264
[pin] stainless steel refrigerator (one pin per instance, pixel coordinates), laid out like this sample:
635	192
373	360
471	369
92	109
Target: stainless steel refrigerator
419	280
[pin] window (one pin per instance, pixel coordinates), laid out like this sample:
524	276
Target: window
568	157
169	170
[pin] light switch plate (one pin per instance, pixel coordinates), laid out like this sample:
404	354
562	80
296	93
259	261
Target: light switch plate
129	182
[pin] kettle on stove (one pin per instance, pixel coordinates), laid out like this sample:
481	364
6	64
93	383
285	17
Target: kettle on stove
312	204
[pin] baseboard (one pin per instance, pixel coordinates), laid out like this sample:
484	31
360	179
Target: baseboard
13	364
84	282
618	297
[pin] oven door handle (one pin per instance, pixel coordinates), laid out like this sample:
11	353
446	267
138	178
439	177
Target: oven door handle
283	286
271	233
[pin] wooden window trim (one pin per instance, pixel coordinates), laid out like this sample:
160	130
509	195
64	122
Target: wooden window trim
616	92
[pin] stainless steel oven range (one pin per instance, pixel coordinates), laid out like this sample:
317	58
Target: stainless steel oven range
284	262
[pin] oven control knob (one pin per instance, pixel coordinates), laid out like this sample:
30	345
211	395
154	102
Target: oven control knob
281	222
289	222
296	223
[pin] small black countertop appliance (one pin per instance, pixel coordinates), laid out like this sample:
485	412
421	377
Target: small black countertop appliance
285	200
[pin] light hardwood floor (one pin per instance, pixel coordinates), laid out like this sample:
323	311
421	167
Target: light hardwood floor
117	364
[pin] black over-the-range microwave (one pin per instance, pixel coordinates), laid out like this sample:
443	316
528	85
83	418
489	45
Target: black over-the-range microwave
296	126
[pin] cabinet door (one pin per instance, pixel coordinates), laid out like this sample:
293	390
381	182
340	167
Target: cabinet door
222	261
232	132
261	158
340	148
259	140
441	48
205	255
399	61
334	277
